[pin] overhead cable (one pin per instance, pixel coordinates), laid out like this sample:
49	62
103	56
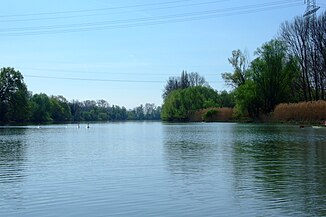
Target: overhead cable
145	21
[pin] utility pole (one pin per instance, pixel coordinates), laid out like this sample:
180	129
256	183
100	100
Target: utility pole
311	8
310	16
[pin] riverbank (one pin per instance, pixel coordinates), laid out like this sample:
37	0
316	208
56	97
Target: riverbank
303	113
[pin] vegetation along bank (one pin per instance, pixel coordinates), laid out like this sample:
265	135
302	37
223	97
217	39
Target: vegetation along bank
286	81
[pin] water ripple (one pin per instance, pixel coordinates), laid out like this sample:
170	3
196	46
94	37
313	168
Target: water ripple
157	169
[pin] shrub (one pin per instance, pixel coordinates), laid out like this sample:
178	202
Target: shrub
210	114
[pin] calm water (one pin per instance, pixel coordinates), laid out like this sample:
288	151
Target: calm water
157	169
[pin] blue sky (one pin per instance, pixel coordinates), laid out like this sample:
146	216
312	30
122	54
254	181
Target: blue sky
124	51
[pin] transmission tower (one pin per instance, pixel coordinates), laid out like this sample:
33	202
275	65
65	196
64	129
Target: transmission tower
311	8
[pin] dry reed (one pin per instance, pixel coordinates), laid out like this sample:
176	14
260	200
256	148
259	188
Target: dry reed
301	112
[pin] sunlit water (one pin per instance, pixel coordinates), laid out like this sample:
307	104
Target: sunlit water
157	169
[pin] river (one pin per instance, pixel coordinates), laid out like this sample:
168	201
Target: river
160	169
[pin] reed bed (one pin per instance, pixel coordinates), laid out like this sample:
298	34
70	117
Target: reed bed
300	112
221	115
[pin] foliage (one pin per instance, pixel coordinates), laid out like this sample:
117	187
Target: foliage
60	109
101	110
91	110
148	112
226	99
289	69
222	114
208	115
13	96
246	100
267	81
20	106
49	109
40	106
186	80
239	62
180	103
273	73
185	95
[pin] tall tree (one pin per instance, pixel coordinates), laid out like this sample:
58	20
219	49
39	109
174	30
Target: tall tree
40	108
60	109
306	40
76	108
320	42
240	64
13	96
186	80
196	80
273	73
172	84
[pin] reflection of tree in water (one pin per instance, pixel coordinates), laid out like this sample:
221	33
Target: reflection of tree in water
12	157
194	155
185	157
285	167
190	149
190	160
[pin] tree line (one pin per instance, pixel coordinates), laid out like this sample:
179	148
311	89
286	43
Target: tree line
289	68
18	105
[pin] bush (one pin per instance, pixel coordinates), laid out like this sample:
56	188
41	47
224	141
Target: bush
210	114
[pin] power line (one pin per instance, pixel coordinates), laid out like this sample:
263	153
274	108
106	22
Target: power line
96	9
128	23
99	72
96	80
117	12
162	17
93	79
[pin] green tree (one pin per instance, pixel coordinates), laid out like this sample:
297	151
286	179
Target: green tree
267	81
273	73
60	109
40	108
246	100
240	64
18	111
151	112
186	80
180	103
226	99
13	96
76	109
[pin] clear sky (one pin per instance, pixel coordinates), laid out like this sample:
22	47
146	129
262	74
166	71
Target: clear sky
124	51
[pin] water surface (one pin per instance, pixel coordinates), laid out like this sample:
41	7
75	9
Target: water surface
158	169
